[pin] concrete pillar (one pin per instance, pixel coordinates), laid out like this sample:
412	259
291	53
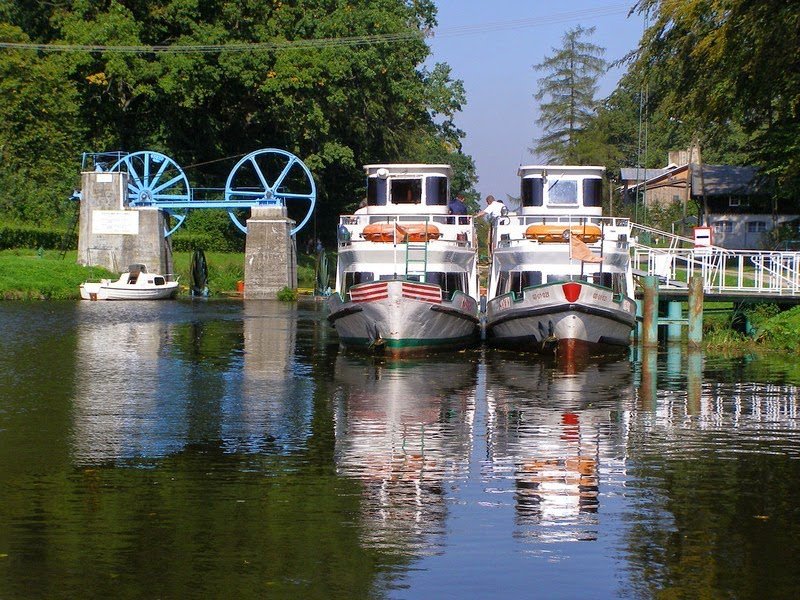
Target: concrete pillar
650	311
270	262
695	329
112	234
674	313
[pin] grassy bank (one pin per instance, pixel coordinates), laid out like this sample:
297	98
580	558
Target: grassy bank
29	275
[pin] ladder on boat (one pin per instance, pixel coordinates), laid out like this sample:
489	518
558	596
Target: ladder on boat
416	260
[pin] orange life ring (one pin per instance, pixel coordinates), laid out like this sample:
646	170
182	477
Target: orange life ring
407	232
558	233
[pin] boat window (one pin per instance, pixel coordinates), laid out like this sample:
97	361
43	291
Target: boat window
436	191
604	279
562	192
449	282
558	278
522	279
532	192
619	285
159	280
351	279
376	191
516	281
593	192
406	191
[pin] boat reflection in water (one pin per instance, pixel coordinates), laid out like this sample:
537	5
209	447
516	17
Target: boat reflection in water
549	430
403	428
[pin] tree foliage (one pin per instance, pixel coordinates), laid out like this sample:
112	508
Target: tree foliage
340	83
569	90
729	70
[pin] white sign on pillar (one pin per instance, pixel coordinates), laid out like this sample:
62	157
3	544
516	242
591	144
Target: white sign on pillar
115	222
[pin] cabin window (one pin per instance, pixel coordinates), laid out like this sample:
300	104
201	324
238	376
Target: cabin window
436	191
593	192
556	278
563	192
449	282
532	191
604	279
351	279
516	281
376	191
406	191
159	281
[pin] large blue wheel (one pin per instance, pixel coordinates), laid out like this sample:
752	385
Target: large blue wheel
272	177
152	178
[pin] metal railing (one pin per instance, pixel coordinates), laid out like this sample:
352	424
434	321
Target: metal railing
675	260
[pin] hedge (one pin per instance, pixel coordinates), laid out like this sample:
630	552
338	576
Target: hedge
21	236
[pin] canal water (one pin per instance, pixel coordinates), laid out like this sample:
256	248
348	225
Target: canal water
230	450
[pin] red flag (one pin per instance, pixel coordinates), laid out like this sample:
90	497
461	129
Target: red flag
578	249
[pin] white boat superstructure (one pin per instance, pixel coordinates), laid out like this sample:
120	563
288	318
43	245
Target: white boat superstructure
406	277
561	279
135	284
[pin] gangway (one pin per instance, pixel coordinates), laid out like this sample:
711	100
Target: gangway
744	274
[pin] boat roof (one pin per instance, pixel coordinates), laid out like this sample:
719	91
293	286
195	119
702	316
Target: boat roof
526	170
388	169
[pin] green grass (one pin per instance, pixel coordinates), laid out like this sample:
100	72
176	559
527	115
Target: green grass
25	275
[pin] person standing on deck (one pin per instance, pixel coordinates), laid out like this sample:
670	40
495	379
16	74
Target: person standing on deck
493	211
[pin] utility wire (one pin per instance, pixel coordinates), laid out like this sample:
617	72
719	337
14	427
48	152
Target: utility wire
409	35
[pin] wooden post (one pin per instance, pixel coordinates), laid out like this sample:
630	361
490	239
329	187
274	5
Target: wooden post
695	330
650	310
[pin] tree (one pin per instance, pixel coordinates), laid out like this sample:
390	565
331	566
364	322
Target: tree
569	87
339	83
731	71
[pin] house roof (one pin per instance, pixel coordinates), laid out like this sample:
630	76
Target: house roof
639	174
725	180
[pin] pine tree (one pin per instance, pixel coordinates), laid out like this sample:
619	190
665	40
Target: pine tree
569	87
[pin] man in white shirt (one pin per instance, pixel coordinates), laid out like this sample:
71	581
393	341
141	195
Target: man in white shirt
493	211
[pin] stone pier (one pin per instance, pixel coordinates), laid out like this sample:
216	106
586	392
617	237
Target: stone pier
112	234
270	253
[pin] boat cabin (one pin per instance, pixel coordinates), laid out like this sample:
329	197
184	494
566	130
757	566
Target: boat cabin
407	188
555	189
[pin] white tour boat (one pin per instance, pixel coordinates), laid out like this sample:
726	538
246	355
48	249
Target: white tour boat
406	277
561	278
136	284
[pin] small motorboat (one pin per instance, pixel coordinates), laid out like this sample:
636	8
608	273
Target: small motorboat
136	284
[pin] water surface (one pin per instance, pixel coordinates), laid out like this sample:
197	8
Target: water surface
226	449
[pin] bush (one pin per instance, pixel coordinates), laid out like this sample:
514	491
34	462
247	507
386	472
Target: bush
22	236
287	294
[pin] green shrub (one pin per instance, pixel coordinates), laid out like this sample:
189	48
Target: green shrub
287	294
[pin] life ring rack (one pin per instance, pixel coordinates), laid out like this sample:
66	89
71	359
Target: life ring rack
557	233
407	232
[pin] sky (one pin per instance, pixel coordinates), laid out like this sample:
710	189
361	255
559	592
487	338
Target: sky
492	46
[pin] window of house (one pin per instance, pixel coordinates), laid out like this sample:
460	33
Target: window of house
723	226
756	226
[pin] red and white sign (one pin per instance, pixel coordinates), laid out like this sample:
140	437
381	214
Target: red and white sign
702	237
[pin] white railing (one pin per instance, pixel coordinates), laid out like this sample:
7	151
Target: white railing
722	270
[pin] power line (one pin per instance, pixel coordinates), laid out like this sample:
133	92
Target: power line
409	35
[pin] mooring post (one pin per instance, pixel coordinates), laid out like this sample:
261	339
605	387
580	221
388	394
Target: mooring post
695	329
648	388
674	314
650	310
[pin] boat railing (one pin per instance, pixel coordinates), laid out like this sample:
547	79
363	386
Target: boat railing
562	219
456	229
513	229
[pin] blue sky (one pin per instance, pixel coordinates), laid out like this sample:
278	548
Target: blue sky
492	46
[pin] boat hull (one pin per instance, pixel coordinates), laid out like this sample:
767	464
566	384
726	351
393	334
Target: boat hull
544	320
403	318
102	291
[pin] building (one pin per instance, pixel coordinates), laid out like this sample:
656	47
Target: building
734	201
